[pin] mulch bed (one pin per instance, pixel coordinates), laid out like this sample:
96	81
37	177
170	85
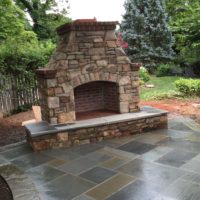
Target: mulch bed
11	129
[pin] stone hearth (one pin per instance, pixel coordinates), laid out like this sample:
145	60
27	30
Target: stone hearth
88	71
43	136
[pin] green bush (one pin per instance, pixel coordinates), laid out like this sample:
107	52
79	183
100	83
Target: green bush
143	74
18	58
188	86
164	70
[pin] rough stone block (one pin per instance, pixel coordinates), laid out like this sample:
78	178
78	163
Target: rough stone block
97	51
126	67
124	80
96	57
53	102
110	35
82	79
135	84
62	137
53	120
102	63
97	40
51	112
41	145
92	77
113	77
66	117
58	90
120	52
87	78
94	33
51	83
80	57
112	60
123	59
64	99
73	64
112	68
50	92
67	88
85	45
96	76
125	97
61	73
89	68
121	90
124	107
76	81
84	141
71	57
99	44
61	80
60	56
111	44
62	64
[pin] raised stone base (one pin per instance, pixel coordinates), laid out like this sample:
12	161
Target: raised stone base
42	136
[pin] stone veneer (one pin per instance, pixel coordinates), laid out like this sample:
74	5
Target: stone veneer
43	137
87	52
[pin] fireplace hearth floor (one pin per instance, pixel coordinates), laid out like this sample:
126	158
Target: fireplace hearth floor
94	114
42	135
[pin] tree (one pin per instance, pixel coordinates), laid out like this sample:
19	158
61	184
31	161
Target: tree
20	50
12	22
144	27
185	25
45	15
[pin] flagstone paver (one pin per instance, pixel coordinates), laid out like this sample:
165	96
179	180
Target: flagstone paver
97	174
176	158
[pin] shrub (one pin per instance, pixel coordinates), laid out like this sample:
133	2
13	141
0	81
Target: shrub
143	74
168	70
18	58
188	86
164	70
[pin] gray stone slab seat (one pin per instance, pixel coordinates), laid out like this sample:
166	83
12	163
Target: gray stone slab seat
40	128
43	128
42	135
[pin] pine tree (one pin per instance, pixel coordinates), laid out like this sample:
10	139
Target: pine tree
144	27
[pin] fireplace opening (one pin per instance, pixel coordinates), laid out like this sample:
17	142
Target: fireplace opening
96	99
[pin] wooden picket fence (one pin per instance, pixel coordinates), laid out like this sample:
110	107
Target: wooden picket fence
13	94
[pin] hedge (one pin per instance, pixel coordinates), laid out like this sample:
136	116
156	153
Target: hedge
188	86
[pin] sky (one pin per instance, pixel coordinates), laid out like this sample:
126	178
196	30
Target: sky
103	10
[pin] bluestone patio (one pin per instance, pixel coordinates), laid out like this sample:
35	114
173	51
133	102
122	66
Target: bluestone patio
158	165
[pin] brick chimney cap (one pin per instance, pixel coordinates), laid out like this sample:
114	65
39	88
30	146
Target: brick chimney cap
87	25
46	73
84	20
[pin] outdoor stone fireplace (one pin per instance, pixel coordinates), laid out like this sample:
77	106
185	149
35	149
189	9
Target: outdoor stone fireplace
88	72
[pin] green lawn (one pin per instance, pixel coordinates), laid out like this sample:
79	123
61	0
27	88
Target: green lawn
163	87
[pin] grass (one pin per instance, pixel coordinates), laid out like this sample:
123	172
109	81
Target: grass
164	87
